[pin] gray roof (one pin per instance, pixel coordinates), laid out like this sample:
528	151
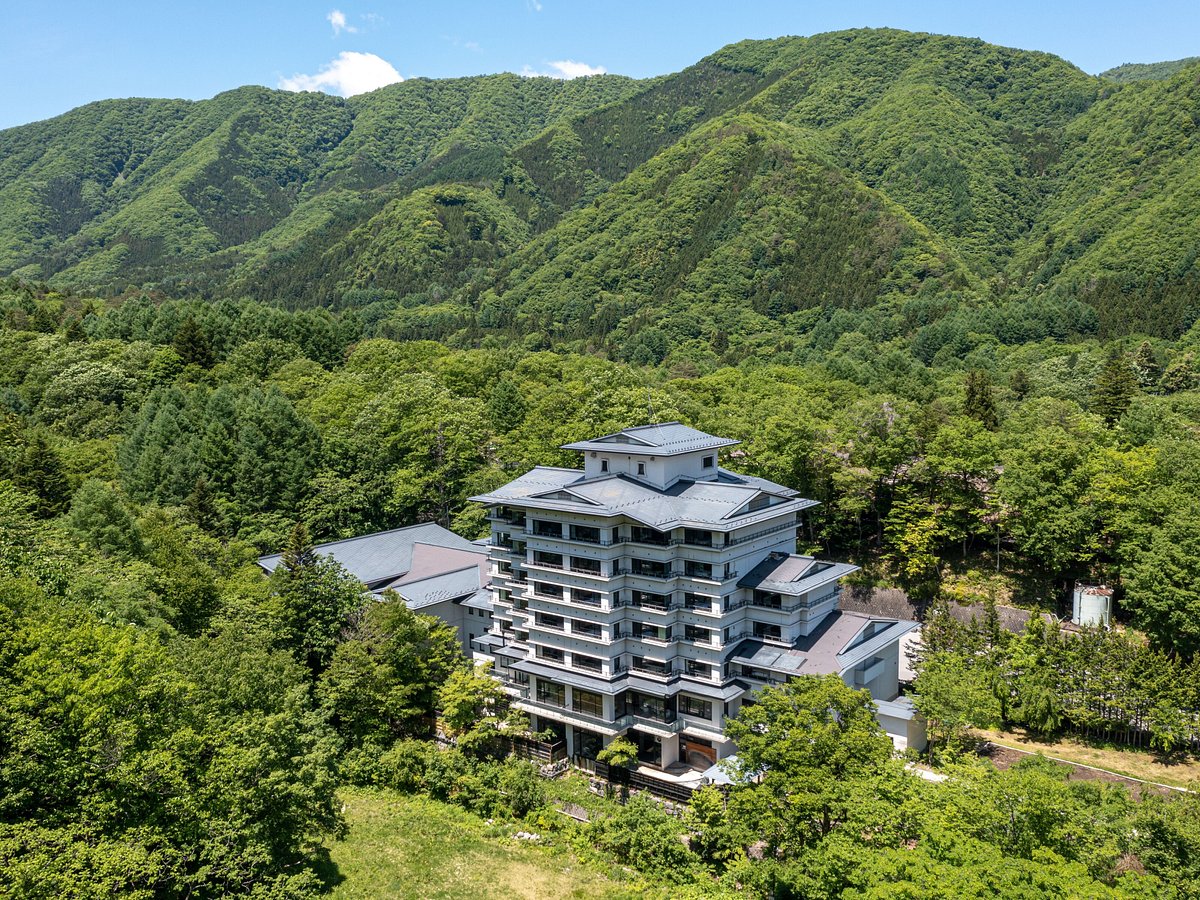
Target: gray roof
667	439
828	649
424	592
791	574
720	502
381	558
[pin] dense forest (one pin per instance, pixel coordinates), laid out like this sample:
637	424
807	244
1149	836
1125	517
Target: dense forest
770	188
949	290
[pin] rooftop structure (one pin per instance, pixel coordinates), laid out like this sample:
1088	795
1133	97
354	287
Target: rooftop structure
649	594
433	570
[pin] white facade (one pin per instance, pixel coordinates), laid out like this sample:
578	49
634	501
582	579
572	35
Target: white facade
648	594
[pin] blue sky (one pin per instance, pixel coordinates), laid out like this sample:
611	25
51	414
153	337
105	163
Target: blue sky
57	55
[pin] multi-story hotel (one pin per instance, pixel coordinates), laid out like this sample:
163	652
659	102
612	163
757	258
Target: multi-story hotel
650	593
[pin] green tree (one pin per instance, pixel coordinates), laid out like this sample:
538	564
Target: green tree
979	401
1147	367
40	472
806	744
506	405
100	519
954	694
475	712
315	597
1162	589
192	344
1115	387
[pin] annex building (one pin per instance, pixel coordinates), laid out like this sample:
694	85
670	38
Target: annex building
650	593
435	572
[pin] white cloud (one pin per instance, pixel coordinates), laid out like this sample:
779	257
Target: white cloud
351	73
533	5
337	19
565	69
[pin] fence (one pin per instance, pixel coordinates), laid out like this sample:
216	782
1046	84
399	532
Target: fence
634	780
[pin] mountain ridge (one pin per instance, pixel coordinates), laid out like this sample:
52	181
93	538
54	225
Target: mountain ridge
462	200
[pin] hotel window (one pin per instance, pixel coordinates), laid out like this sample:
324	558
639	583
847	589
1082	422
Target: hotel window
590	663
551	693
588	533
690	706
604	465
587	703
551	653
587	629
697	669
641	468
768	632
587	598
555	623
697	635
542	589
583	564
694	569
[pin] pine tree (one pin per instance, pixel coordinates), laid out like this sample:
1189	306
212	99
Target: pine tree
980	402
298	553
99	518
506	406
1019	383
41	474
1114	388
192	344
201	505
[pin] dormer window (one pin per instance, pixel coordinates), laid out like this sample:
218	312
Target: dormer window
708	462
604	465
641	468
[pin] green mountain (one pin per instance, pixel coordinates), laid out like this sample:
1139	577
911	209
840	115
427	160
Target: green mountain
1149	71
750	196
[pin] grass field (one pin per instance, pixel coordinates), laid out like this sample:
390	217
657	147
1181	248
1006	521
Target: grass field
402	846
1133	763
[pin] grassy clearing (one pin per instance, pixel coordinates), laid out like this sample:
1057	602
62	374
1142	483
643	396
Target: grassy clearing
402	846
1133	763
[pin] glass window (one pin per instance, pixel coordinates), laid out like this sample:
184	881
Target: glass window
770	632
587	703
547	529
590	629
583	564
697	634
548	621
587	598
698	669
694	569
590	663
692	706
551	693
551	653
588	533
708	462
697	538
641	468
547	590
604	465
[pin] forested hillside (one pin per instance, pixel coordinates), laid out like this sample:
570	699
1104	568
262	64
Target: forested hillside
773	186
947	290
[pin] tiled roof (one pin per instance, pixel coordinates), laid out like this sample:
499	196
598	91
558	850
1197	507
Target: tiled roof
791	574
383	557
667	439
827	650
718	502
424	592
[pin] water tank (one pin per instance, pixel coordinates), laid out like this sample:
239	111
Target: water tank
1092	605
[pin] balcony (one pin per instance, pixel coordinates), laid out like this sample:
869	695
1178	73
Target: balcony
786	526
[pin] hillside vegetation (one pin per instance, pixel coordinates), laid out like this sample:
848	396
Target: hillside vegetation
753	198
